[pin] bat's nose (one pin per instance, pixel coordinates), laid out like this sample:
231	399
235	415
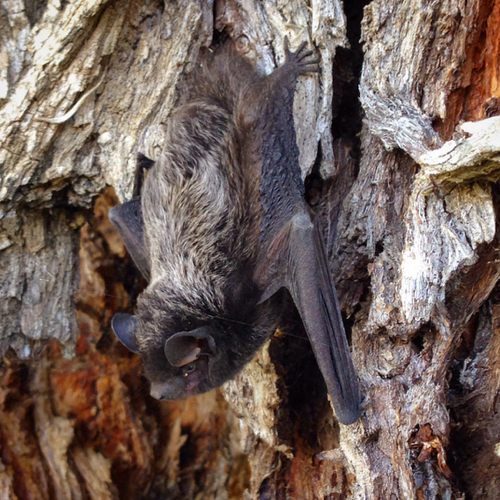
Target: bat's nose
169	390
156	392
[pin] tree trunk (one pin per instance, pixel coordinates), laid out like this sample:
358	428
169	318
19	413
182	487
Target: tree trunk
400	154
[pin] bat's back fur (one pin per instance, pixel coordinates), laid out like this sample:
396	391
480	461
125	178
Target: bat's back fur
201	203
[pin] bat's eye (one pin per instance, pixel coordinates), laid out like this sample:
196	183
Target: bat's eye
188	369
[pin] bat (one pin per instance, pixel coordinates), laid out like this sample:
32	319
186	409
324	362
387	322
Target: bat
219	227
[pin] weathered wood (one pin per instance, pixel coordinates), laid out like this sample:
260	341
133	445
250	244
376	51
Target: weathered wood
410	207
421	238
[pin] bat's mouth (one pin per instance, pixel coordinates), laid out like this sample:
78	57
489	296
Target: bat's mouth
177	388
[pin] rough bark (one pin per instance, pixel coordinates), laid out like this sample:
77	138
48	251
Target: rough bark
404	173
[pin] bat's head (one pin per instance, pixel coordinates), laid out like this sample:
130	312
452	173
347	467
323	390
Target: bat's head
180	361
178	366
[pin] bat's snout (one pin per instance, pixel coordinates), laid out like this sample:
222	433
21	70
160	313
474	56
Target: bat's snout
156	392
167	391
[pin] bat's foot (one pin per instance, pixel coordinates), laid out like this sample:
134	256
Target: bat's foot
302	58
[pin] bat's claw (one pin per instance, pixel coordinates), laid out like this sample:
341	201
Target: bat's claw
301	58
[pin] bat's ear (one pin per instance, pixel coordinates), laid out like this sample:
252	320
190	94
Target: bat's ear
185	347
124	326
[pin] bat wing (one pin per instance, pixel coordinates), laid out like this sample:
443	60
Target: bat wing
296	259
127	218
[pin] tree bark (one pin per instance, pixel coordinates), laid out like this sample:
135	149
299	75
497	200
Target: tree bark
400	154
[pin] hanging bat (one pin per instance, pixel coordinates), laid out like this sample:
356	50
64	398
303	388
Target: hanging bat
220	226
